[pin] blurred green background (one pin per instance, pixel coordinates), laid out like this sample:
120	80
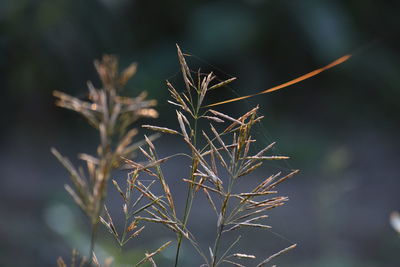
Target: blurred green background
340	128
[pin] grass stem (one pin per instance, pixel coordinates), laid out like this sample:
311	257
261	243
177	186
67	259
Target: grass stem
189	196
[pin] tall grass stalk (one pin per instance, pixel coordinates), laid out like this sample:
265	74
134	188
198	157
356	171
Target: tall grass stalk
111	115
234	209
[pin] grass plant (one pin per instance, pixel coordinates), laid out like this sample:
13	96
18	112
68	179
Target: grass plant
220	156
111	115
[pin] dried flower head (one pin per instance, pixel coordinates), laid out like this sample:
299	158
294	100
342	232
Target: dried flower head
111	114
226	157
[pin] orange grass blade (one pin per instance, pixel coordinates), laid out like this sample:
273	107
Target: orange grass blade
286	84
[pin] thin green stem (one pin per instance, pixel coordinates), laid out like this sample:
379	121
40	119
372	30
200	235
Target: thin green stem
188	205
92	242
222	223
124	233
189	196
216	244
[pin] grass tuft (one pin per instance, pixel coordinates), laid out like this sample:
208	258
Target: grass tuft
220	157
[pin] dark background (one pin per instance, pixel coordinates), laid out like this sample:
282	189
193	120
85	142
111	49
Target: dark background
340	128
